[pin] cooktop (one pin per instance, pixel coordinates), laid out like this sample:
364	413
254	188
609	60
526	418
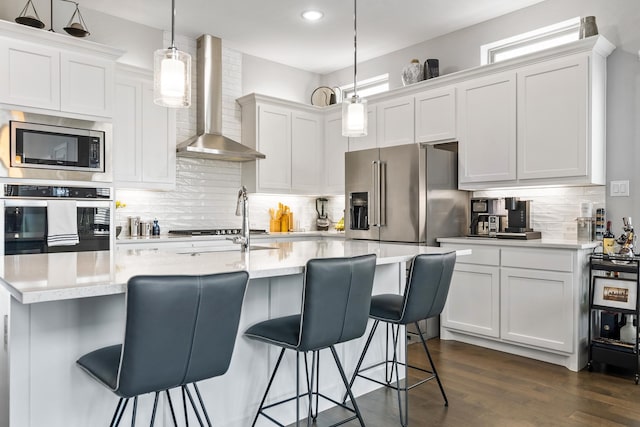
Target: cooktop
213	232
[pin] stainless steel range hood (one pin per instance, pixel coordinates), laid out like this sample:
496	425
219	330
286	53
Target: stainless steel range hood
209	143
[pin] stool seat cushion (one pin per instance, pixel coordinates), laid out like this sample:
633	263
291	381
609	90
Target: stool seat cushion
282	331
103	364
386	307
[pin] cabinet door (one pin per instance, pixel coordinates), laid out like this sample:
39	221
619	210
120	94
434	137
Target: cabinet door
274	141
487	129
436	115
369	141
307	163
127	133
473	303
86	85
335	145
395	122
158	140
537	308
29	75
552	119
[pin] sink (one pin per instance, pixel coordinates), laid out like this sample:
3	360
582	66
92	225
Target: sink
196	251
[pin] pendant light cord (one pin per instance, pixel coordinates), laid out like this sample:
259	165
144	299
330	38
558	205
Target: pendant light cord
355	48
173	24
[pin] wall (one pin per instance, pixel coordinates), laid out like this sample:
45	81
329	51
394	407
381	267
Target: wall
618	20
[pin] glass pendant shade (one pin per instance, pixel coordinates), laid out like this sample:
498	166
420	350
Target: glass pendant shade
354	117
172	78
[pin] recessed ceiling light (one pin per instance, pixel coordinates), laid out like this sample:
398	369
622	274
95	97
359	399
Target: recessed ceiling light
312	15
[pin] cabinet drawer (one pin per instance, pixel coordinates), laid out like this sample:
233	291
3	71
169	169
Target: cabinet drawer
479	254
538	259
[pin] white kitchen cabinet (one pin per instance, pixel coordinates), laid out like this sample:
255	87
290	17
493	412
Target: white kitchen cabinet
40	70
552	119
537	308
144	134
291	136
487	130
29	75
522	298
473	304
395	122
435	115
86	85
371	139
307	153
335	146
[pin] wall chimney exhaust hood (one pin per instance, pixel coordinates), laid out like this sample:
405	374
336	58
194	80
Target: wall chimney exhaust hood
209	143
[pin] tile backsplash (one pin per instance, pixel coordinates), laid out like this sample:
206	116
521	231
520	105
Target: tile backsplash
554	210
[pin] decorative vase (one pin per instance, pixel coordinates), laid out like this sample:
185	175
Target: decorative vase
412	73
431	68
588	27
629	331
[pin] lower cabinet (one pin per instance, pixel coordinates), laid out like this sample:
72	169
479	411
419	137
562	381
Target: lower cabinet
522	300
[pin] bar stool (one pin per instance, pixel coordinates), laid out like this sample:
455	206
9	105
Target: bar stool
424	297
335	307
179	330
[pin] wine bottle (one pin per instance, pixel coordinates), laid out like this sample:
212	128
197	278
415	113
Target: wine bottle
608	241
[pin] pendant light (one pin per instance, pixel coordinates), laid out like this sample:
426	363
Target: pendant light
172	73
354	109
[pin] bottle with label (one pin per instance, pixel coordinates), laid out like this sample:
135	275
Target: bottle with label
608	241
156	228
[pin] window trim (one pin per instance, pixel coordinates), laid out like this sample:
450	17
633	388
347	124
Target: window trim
489	51
347	90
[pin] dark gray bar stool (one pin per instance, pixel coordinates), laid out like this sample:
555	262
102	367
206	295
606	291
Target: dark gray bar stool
424	297
179	330
335	309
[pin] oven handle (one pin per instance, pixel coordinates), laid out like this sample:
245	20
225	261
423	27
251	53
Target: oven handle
13	203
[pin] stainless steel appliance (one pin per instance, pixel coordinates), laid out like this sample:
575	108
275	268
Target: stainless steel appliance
25	218
322	222
519	227
487	217
406	193
37	146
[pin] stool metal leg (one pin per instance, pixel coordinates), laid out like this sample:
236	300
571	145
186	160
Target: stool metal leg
173	414
193	405
433	366
364	353
117	411
204	410
346	384
310	389
297	388
155	407
135	408
266	392
184	407
404	419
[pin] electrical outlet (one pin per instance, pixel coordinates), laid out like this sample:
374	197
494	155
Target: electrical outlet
619	189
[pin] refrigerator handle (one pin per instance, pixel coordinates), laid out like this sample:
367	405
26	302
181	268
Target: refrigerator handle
373	216
382	192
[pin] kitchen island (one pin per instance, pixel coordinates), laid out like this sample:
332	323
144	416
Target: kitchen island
57	307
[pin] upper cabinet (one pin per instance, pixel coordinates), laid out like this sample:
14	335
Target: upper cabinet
144	134
369	141
539	122
395	122
335	145
291	136
435	118
40	70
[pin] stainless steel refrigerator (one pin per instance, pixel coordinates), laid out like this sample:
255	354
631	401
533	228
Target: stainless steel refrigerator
406	193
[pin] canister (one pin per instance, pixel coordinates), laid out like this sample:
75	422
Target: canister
145	228
585	229
134	226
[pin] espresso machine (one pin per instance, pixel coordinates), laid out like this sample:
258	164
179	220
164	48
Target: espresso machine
487	218
519	212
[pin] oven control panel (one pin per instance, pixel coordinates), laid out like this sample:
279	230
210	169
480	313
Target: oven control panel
55	191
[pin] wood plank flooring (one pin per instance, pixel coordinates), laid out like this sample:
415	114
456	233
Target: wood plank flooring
490	388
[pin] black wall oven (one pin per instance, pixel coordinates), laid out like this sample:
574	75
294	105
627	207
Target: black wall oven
25	218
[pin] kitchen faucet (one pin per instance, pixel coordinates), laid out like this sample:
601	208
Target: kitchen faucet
242	209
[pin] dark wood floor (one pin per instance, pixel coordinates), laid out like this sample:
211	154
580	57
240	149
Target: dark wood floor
490	388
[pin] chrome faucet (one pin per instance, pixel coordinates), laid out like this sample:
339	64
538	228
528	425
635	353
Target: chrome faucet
242	209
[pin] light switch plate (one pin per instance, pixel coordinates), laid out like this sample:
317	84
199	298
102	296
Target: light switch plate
619	188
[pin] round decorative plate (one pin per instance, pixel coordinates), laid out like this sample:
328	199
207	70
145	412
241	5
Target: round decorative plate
321	97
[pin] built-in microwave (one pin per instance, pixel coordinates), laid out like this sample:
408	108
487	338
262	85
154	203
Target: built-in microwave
36	145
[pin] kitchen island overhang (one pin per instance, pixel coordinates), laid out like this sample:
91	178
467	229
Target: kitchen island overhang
60	307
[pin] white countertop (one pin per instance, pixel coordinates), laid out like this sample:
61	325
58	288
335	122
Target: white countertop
533	243
50	277
124	240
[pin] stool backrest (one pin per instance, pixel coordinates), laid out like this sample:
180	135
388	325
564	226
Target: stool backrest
427	286
336	300
179	329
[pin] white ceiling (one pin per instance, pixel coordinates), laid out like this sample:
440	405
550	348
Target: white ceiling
274	30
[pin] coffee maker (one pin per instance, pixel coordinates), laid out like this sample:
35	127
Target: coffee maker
322	223
518	212
487	218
